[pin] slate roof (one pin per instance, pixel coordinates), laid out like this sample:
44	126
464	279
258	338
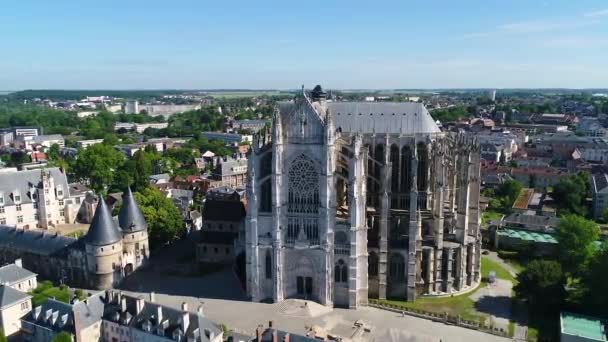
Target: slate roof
89	311
232	211
103	230
54	315
11	274
23	181
9	296
226	168
130	217
197	326
267	336
32	241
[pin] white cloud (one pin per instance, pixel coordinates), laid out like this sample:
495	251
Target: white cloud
599	13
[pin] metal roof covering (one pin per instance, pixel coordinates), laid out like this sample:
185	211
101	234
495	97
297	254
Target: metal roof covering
130	217
527	235
103	229
591	328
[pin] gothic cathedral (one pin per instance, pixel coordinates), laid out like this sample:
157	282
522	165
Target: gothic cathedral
355	200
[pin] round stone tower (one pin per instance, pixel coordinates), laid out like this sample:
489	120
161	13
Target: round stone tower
134	233
103	246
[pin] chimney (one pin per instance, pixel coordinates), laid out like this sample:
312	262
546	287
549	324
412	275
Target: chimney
152	297
19	263
185	323
123	304
201	311
270	324
139	305
258	334
184	306
275	336
286	337
159	313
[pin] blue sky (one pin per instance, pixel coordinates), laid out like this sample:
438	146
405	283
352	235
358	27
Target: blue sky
200	44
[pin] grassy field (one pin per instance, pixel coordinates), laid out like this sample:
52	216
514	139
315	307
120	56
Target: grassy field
461	305
489	215
46	290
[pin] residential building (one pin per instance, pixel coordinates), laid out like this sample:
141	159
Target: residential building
335	179
591	126
599	190
17	277
86	114
29	142
580	328
531	221
25	131
251	125
86	143
228	138
139	127
166	110
14	305
230	172
132	107
37	198
272	334
222	225
6	137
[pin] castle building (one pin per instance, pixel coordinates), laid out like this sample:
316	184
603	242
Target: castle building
350	200
100	259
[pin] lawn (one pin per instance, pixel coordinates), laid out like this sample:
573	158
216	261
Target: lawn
490	215
457	305
488	265
46	290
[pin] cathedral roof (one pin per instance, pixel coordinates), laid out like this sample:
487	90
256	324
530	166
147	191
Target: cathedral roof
382	117
103	229
130	217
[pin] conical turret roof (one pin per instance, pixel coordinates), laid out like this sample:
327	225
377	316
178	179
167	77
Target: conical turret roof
130	217
103	229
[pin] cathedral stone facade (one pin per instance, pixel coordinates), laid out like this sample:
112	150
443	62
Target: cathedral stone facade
357	200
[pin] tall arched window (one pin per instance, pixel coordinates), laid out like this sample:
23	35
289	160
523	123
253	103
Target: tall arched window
340	272
268	265
397	267
265	180
372	264
303	200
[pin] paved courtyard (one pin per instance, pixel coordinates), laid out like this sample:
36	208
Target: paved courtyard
225	302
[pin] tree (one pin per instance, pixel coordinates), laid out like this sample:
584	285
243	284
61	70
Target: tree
62	337
97	164
2	336
165	222
570	193
575	236
509	190
542	285
53	152
595	281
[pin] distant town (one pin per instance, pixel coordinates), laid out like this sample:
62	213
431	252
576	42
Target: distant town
304	214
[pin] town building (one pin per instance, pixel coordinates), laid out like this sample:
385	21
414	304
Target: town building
579	328
221	236
591	126
132	107
139	127
599	190
352	200
17	277
6	137
14	305
37	198
228	138
26	131
251	125
230	172
86	143
100	259
29	142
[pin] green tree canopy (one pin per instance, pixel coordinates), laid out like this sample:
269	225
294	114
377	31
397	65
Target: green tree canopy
595	281
165	222
542	284
96	166
570	193
576	236
62	337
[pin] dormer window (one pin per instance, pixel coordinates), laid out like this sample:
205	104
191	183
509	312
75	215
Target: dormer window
17	197
59	192
1	199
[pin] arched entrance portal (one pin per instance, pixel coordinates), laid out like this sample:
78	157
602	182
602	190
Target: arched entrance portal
303	280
